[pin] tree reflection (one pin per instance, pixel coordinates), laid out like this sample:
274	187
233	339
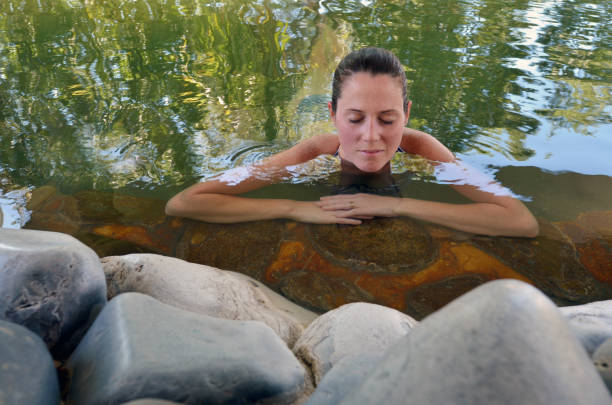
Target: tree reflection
580	62
108	94
155	95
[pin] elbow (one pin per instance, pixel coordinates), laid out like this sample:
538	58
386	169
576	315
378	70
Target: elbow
172	207
534	230
528	227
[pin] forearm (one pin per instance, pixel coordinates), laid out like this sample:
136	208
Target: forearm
480	218
222	208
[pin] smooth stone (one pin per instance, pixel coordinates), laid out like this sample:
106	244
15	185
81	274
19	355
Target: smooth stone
349	330
151	401
602	358
347	375
27	374
502	343
205	290
592	323
139	347
50	283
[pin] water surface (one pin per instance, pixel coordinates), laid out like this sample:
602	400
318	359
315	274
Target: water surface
147	97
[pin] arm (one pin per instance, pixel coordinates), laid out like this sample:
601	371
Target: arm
490	214
420	143
216	200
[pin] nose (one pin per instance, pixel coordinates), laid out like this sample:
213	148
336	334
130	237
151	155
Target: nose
371	130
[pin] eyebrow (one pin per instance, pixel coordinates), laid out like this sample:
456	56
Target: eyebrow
381	112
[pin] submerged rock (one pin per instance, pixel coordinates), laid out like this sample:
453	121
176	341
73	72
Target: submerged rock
592	323
50	283
501	343
151	401
352	329
27	375
202	289
409	265
141	348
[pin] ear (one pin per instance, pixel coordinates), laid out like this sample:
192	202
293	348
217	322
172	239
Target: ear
332	115
408	107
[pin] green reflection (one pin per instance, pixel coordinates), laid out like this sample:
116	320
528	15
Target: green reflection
151	96
580	61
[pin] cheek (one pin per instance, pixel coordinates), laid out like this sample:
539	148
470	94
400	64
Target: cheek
394	135
345	133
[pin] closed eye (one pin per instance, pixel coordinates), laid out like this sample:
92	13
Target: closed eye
385	122
355	121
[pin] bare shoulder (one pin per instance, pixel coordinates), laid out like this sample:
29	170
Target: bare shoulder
304	151
323	144
315	146
423	144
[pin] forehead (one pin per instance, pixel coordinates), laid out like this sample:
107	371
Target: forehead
365	90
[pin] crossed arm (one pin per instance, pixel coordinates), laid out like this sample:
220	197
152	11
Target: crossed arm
217	200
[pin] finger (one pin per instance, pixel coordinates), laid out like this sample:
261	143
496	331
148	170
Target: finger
363	216
348	221
350	214
343	197
337	205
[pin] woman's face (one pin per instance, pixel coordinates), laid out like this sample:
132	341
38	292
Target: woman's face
370	119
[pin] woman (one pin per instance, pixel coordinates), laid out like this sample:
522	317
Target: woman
370	110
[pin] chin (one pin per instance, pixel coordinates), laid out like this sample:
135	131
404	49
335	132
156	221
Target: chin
372	167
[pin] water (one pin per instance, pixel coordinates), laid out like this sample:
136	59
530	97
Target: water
147	97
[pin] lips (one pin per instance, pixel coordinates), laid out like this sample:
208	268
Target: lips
371	151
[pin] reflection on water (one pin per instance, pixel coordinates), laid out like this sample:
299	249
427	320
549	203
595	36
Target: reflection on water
156	95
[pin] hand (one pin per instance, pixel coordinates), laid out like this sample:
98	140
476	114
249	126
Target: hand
310	212
362	206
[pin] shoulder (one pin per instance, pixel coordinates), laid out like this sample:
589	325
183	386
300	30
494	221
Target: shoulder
304	151
421	143
322	144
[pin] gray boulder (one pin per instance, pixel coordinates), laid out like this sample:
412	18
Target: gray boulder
502	343
346	376
349	330
591	323
27	374
603	361
141	348
203	289
151	401
50	283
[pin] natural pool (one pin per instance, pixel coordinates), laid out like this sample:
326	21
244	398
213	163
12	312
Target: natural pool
143	98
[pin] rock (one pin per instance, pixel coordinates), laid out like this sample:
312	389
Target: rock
302	315
202	289
349	330
603	361
592	323
347	375
151	401
50	283
142	348
502	343
27	374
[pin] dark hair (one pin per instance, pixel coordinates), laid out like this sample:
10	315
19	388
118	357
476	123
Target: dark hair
372	60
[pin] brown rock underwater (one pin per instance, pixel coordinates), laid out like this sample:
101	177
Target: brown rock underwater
411	266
